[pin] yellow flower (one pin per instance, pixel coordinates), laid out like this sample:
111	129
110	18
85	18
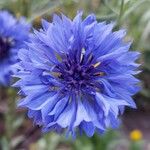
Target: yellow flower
136	135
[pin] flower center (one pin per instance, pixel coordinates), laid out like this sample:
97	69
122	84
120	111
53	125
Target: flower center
77	75
5	45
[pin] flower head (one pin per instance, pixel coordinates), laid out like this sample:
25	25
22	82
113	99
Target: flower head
13	32
77	75
136	135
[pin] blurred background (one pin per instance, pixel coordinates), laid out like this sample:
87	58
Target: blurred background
17	132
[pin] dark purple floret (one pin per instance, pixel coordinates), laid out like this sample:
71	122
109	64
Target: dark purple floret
5	45
77	75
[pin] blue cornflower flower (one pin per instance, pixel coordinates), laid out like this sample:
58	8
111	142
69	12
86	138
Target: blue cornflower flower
77	75
13	32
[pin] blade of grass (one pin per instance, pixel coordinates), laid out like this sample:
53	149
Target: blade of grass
133	8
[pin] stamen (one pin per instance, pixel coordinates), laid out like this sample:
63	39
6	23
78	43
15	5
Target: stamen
82	54
97	64
99	74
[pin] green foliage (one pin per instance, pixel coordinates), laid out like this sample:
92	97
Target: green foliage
136	145
53	141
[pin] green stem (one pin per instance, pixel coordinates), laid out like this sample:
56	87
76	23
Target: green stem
106	3
25	7
121	12
10	93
